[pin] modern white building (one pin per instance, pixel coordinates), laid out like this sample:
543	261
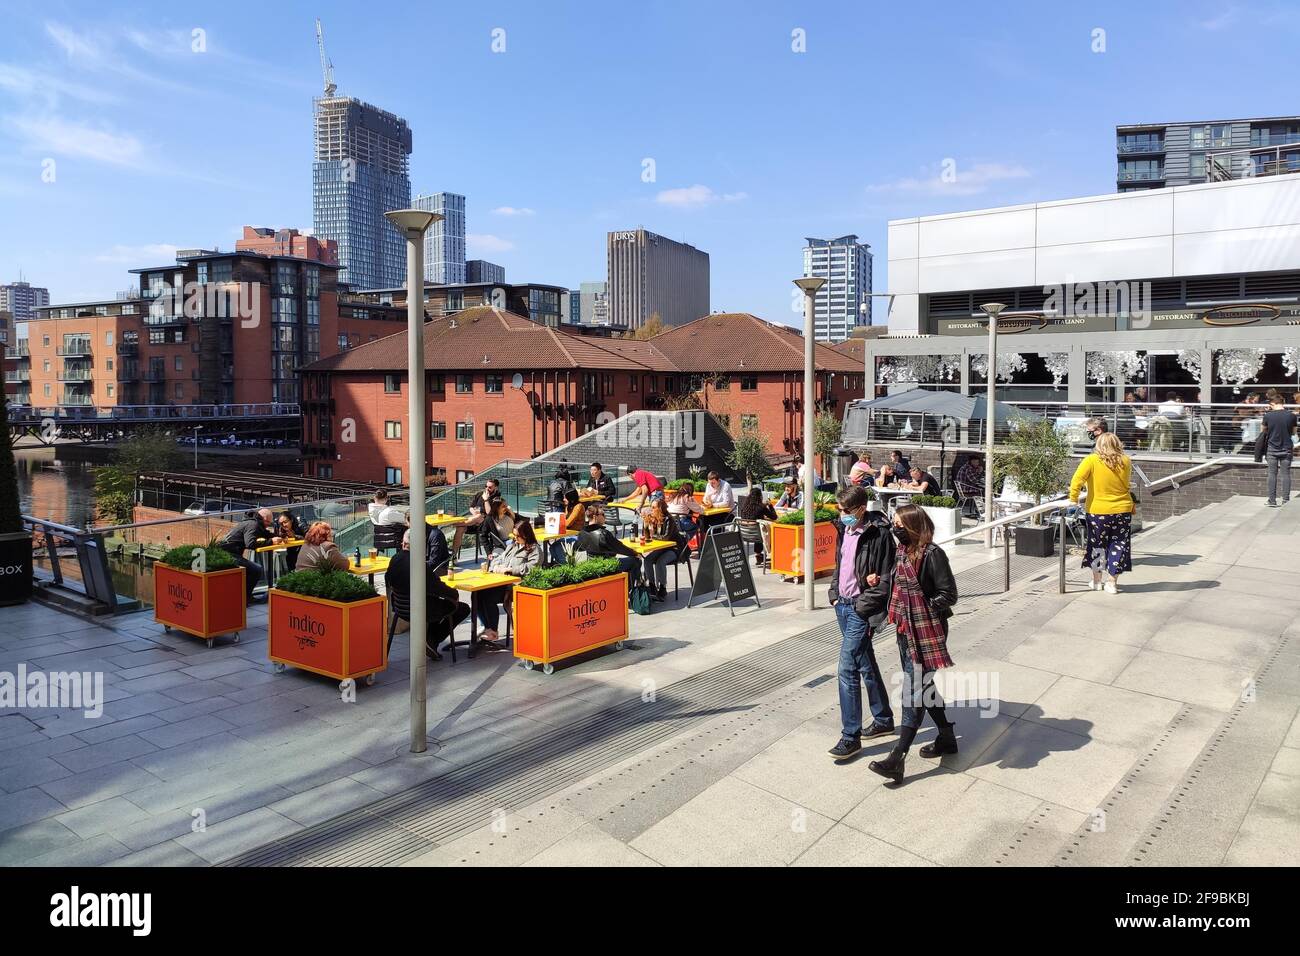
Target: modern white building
1194	289
844	301
444	243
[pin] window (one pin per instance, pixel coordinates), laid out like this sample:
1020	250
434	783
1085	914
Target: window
494	384
463	475
343	342
393	430
749	383
494	432
437	383
47	365
109	390
45	340
724	420
108	365
180	364
157	337
108	338
392	383
607	381
631	384
437	431
748	423
464	431
392	476
179	390
47	389
722	383
324	471
464	384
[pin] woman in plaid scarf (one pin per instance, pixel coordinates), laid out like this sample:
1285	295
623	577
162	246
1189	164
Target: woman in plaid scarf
923	595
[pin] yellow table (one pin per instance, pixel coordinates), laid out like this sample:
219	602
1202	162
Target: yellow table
369	568
626	505
649	547
266	557
720	510
472	582
439	521
291	543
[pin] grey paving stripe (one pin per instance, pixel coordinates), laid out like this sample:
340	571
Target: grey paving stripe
403	825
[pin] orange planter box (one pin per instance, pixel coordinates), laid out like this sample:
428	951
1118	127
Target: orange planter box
559	623
787	542
205	605
342	641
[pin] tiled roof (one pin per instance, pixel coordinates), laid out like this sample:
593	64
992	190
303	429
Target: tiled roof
484	337
855	348
737	342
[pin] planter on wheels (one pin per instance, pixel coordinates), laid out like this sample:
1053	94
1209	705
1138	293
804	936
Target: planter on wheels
206	605
15	567
1036	540
787	545
553	624
340	640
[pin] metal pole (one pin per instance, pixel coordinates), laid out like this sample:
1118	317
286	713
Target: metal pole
1006	556
1061	572
416	416
989	423
809	412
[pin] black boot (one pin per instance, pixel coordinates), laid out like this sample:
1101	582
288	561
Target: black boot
945	743
891	766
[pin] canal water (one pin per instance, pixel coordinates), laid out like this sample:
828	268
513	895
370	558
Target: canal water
61	491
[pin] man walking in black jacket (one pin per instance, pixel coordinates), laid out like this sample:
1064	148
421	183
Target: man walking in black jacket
864	571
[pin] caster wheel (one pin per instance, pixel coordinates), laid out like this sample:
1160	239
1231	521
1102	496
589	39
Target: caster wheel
210	641
529	665
370	680
548	669
346	685
166	629
618	645
279	668
236	637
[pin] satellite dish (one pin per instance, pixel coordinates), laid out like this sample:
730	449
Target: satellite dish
517	380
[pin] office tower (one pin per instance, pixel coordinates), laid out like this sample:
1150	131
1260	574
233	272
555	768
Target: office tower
361	172
594	303
1154	155
480	270
650	275
844	301
444	243
22	299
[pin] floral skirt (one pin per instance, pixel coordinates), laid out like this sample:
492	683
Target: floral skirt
1109	544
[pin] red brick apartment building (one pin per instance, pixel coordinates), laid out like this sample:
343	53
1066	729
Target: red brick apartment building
214	328
501	386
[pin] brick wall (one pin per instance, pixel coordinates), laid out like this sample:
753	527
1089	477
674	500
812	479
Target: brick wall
195	531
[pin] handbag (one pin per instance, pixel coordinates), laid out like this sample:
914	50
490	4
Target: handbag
639	599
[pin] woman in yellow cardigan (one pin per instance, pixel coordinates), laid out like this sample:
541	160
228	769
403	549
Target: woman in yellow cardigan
1110	511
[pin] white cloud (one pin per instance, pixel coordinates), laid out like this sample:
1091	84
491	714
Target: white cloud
513	211
484	242
694	196
38	88
62	137
1224	19
150	254
965	180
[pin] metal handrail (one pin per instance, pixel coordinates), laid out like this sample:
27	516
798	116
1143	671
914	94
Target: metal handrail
1019	516
1222	460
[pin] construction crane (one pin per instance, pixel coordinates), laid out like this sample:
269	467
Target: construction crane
326	67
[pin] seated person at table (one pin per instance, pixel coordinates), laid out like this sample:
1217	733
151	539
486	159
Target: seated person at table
717	494
862	473
480	506
498	525
520	556
289	528
754	508
970	478
899	464
1172	406
575	519
684	509
599	542
660	526
254	532
436	553
646	485
791	497
817	479
921	481
888	477
381	512
440	600
600	484
320	551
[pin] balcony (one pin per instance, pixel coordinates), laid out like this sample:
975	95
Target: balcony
18	375
75	349
1130	149
1140	175
75	375
127	375
79	399
153	375
19	351
128	348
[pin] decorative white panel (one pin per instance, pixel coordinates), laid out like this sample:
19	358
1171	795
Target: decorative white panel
1103	261
990	231
1130	216
985	270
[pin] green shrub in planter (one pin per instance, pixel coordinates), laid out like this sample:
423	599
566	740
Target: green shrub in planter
182	558
563	575
934	501
684	484
338	586
796	517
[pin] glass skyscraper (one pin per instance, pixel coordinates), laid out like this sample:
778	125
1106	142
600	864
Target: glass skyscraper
444	243
360	172
844	301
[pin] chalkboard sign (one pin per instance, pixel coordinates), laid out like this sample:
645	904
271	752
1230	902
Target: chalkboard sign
723	564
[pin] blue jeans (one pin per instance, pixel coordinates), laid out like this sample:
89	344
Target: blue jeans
858	666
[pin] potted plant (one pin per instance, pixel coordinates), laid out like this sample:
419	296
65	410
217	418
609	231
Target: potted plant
787	542
567	609
943	512
825	501
15	540
748	456
199	591
1037	457
873	501
328	622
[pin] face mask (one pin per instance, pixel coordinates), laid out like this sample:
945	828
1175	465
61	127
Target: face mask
902	535
848	520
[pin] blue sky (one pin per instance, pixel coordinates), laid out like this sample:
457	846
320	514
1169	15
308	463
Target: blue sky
755	146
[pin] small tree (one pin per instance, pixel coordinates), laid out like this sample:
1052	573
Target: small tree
1037	456
149	450
748	455
652	327
11	518
826	436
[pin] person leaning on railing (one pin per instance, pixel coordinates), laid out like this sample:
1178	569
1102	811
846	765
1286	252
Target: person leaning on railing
1106	473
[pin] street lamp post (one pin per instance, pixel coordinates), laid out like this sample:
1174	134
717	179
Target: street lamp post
991	309
809	285
412	224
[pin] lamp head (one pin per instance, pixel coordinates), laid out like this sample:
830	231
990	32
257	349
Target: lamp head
810	284
992	308
412	222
